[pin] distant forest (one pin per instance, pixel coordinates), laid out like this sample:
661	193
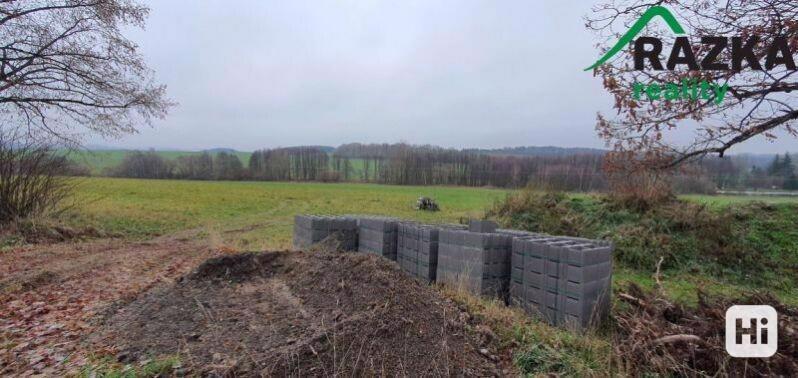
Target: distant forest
404	164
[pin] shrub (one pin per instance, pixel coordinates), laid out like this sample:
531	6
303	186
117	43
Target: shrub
30	178
753	242
143	165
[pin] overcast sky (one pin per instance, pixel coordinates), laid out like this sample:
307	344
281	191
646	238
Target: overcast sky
256	74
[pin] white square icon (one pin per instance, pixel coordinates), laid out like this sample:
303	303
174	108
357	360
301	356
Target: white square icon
751	331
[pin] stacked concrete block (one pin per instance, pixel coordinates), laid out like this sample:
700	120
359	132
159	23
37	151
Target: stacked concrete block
565	280
378	235
476	225
480	262
311	229
411	239
417	248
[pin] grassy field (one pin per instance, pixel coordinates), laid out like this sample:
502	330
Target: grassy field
724	200
142	208
259	215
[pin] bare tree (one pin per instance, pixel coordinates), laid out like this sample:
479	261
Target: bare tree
66	69
759	100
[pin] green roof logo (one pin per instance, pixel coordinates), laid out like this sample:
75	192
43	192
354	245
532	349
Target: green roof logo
638	26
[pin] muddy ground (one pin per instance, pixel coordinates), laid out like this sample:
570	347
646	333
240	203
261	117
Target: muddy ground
53	295
298	313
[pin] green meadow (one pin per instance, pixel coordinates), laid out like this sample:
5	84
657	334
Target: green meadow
143	208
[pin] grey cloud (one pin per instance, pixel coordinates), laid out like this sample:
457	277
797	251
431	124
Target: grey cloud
252	74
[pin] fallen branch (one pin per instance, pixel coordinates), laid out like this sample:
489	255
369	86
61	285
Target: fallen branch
632	300
656	274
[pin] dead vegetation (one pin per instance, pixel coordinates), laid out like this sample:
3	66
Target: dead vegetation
42	232
31	181
657	336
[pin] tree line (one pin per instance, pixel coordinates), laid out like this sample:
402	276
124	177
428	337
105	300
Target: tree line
204	166
404	164
735	173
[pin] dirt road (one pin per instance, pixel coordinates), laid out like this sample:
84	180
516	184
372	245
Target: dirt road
50	295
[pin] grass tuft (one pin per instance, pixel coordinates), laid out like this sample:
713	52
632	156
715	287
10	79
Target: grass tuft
161	367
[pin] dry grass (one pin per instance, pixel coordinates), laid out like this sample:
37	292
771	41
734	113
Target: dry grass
535	347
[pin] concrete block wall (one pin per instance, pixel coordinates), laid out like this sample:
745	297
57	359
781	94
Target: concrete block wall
478	261
565	280
417	248
378	235
311	229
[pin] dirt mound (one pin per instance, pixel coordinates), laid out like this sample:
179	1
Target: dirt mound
656	336
236	268
292	313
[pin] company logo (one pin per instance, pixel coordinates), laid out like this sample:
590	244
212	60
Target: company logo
739	52
656	11
751	331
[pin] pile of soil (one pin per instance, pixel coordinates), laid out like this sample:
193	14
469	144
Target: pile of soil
657	336
301	313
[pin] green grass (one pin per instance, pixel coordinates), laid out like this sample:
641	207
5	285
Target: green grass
142	208
725	200
104	367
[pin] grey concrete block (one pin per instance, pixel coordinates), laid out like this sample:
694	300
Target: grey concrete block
378	235
482	226
419	244
478	261
565	280
311	229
